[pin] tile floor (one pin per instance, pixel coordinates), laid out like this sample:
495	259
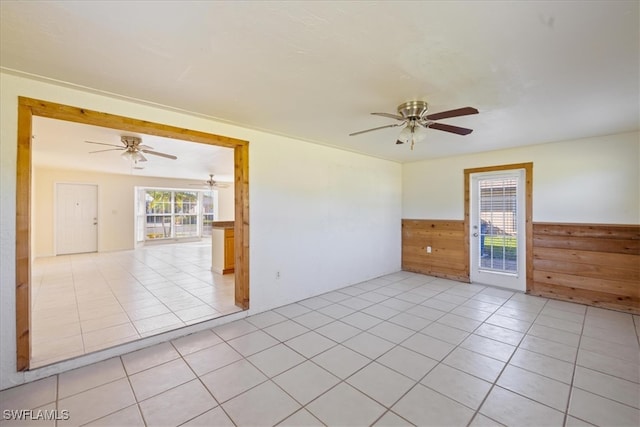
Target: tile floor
403	349
87	302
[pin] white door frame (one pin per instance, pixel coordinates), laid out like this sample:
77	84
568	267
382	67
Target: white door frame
528	213
513	280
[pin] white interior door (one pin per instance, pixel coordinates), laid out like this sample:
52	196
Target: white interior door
497	221
76	218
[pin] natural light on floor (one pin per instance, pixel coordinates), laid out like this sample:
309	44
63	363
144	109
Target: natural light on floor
87	302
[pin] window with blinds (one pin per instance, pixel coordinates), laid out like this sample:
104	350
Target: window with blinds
498	224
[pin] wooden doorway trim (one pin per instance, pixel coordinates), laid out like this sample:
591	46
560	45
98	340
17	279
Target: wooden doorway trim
27	108
528	179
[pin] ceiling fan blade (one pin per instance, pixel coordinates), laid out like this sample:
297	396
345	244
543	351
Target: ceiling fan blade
145	147
155	153
391	116
449	128
108	149
102	143
379	127
465	111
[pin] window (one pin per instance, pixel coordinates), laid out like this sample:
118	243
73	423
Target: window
173	214
159	214
499	228
185	219
209	201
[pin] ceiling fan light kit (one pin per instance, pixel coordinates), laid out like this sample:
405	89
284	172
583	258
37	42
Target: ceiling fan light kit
414	115
412	133
133	156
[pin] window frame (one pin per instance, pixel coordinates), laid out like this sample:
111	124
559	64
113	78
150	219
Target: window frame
142	213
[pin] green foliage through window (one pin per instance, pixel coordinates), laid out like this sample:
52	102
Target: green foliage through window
177	214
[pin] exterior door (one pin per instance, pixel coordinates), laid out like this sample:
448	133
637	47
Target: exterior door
497	234
76	218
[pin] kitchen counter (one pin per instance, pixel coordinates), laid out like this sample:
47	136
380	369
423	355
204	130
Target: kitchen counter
222	224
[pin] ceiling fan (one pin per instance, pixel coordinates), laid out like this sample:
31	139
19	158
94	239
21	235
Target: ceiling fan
211	183
133	150
414	115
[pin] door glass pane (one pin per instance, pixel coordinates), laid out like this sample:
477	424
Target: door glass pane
498	225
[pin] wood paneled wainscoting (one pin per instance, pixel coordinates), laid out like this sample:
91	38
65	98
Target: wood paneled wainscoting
594	264
446	238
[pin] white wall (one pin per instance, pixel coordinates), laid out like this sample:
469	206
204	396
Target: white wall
115	205
591	180
226	204
323	217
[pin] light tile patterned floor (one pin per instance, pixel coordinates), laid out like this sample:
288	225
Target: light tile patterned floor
87	302
403	349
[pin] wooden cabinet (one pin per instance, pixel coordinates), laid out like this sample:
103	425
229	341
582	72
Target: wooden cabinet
229	255
222	249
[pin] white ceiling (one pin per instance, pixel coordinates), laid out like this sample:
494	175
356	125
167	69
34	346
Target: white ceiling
538	71
62	144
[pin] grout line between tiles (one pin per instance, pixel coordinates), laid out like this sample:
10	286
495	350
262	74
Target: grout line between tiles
387	408
79	264
495	382
573	373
